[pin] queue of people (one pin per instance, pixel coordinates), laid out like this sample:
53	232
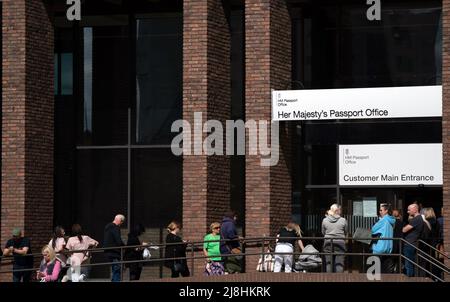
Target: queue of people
222	247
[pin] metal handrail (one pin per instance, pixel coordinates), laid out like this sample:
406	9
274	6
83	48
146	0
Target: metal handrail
260	242
434	249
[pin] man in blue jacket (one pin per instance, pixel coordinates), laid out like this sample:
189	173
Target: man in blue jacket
384	228
231	247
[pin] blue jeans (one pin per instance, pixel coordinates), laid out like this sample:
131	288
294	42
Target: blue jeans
115	269
410	253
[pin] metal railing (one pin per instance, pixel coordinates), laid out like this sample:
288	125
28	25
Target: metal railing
264	244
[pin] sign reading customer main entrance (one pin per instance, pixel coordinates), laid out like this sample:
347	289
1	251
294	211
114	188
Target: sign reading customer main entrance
357	103
391	164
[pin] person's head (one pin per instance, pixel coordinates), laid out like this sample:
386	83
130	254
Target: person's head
215	228
48	253
17	233
77	231
334	210
292	226
413	209
119	219
385	209
230	214
429	213
174	227
397	214
58	233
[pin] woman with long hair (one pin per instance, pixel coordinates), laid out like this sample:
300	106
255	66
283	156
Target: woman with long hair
80	241
287	237
176	248
50	266
58	244
135	253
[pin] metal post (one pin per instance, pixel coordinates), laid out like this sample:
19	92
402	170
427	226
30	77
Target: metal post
416	268
399	256
121	266
262	253
332	256
192	258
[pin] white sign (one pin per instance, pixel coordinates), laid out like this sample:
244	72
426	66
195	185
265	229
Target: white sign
370	207
397	164
357	208
357	103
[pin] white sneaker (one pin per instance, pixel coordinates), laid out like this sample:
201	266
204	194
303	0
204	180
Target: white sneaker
82	278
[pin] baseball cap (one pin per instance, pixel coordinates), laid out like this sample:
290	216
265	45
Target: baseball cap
16	232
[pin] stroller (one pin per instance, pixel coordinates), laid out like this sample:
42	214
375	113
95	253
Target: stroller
308	263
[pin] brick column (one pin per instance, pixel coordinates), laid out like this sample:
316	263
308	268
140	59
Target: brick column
268	66
206	89
446	120
27	121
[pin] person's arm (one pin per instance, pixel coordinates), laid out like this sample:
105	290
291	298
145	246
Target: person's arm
117	239
300	244
59	249
8	251
323	229
92	242
407	228
205	248
55	273
21	251
376	228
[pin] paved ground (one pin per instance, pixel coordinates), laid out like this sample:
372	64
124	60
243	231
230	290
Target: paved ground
293	277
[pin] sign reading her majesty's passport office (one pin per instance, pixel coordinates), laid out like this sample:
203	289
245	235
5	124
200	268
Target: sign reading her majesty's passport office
395	164
357	103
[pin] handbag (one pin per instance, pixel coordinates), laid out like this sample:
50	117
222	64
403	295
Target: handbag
178	267
146	254
266	263
214	268
237	253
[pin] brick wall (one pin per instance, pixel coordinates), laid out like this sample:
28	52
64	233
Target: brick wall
446	119
27	117
268	66
206	89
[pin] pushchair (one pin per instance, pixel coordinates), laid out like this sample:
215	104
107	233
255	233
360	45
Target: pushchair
308	262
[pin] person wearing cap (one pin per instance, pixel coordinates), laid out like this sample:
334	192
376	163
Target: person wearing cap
19	246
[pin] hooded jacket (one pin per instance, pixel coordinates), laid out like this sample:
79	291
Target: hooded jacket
334	226
385	228
228	231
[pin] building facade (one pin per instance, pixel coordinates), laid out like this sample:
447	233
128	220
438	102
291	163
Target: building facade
88	108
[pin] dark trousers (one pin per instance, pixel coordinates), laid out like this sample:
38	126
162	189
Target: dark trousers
387	265
184	271
233	264
21	276
135	271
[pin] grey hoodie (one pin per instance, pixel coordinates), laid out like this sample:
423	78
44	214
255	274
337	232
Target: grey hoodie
334	226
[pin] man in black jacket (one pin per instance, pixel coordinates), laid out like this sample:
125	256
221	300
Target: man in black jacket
112	238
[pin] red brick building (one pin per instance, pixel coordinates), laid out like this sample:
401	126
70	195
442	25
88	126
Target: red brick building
87	109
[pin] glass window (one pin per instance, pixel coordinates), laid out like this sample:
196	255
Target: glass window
102	188
66	74
156	187
344	49
105	78
55	74
159	78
